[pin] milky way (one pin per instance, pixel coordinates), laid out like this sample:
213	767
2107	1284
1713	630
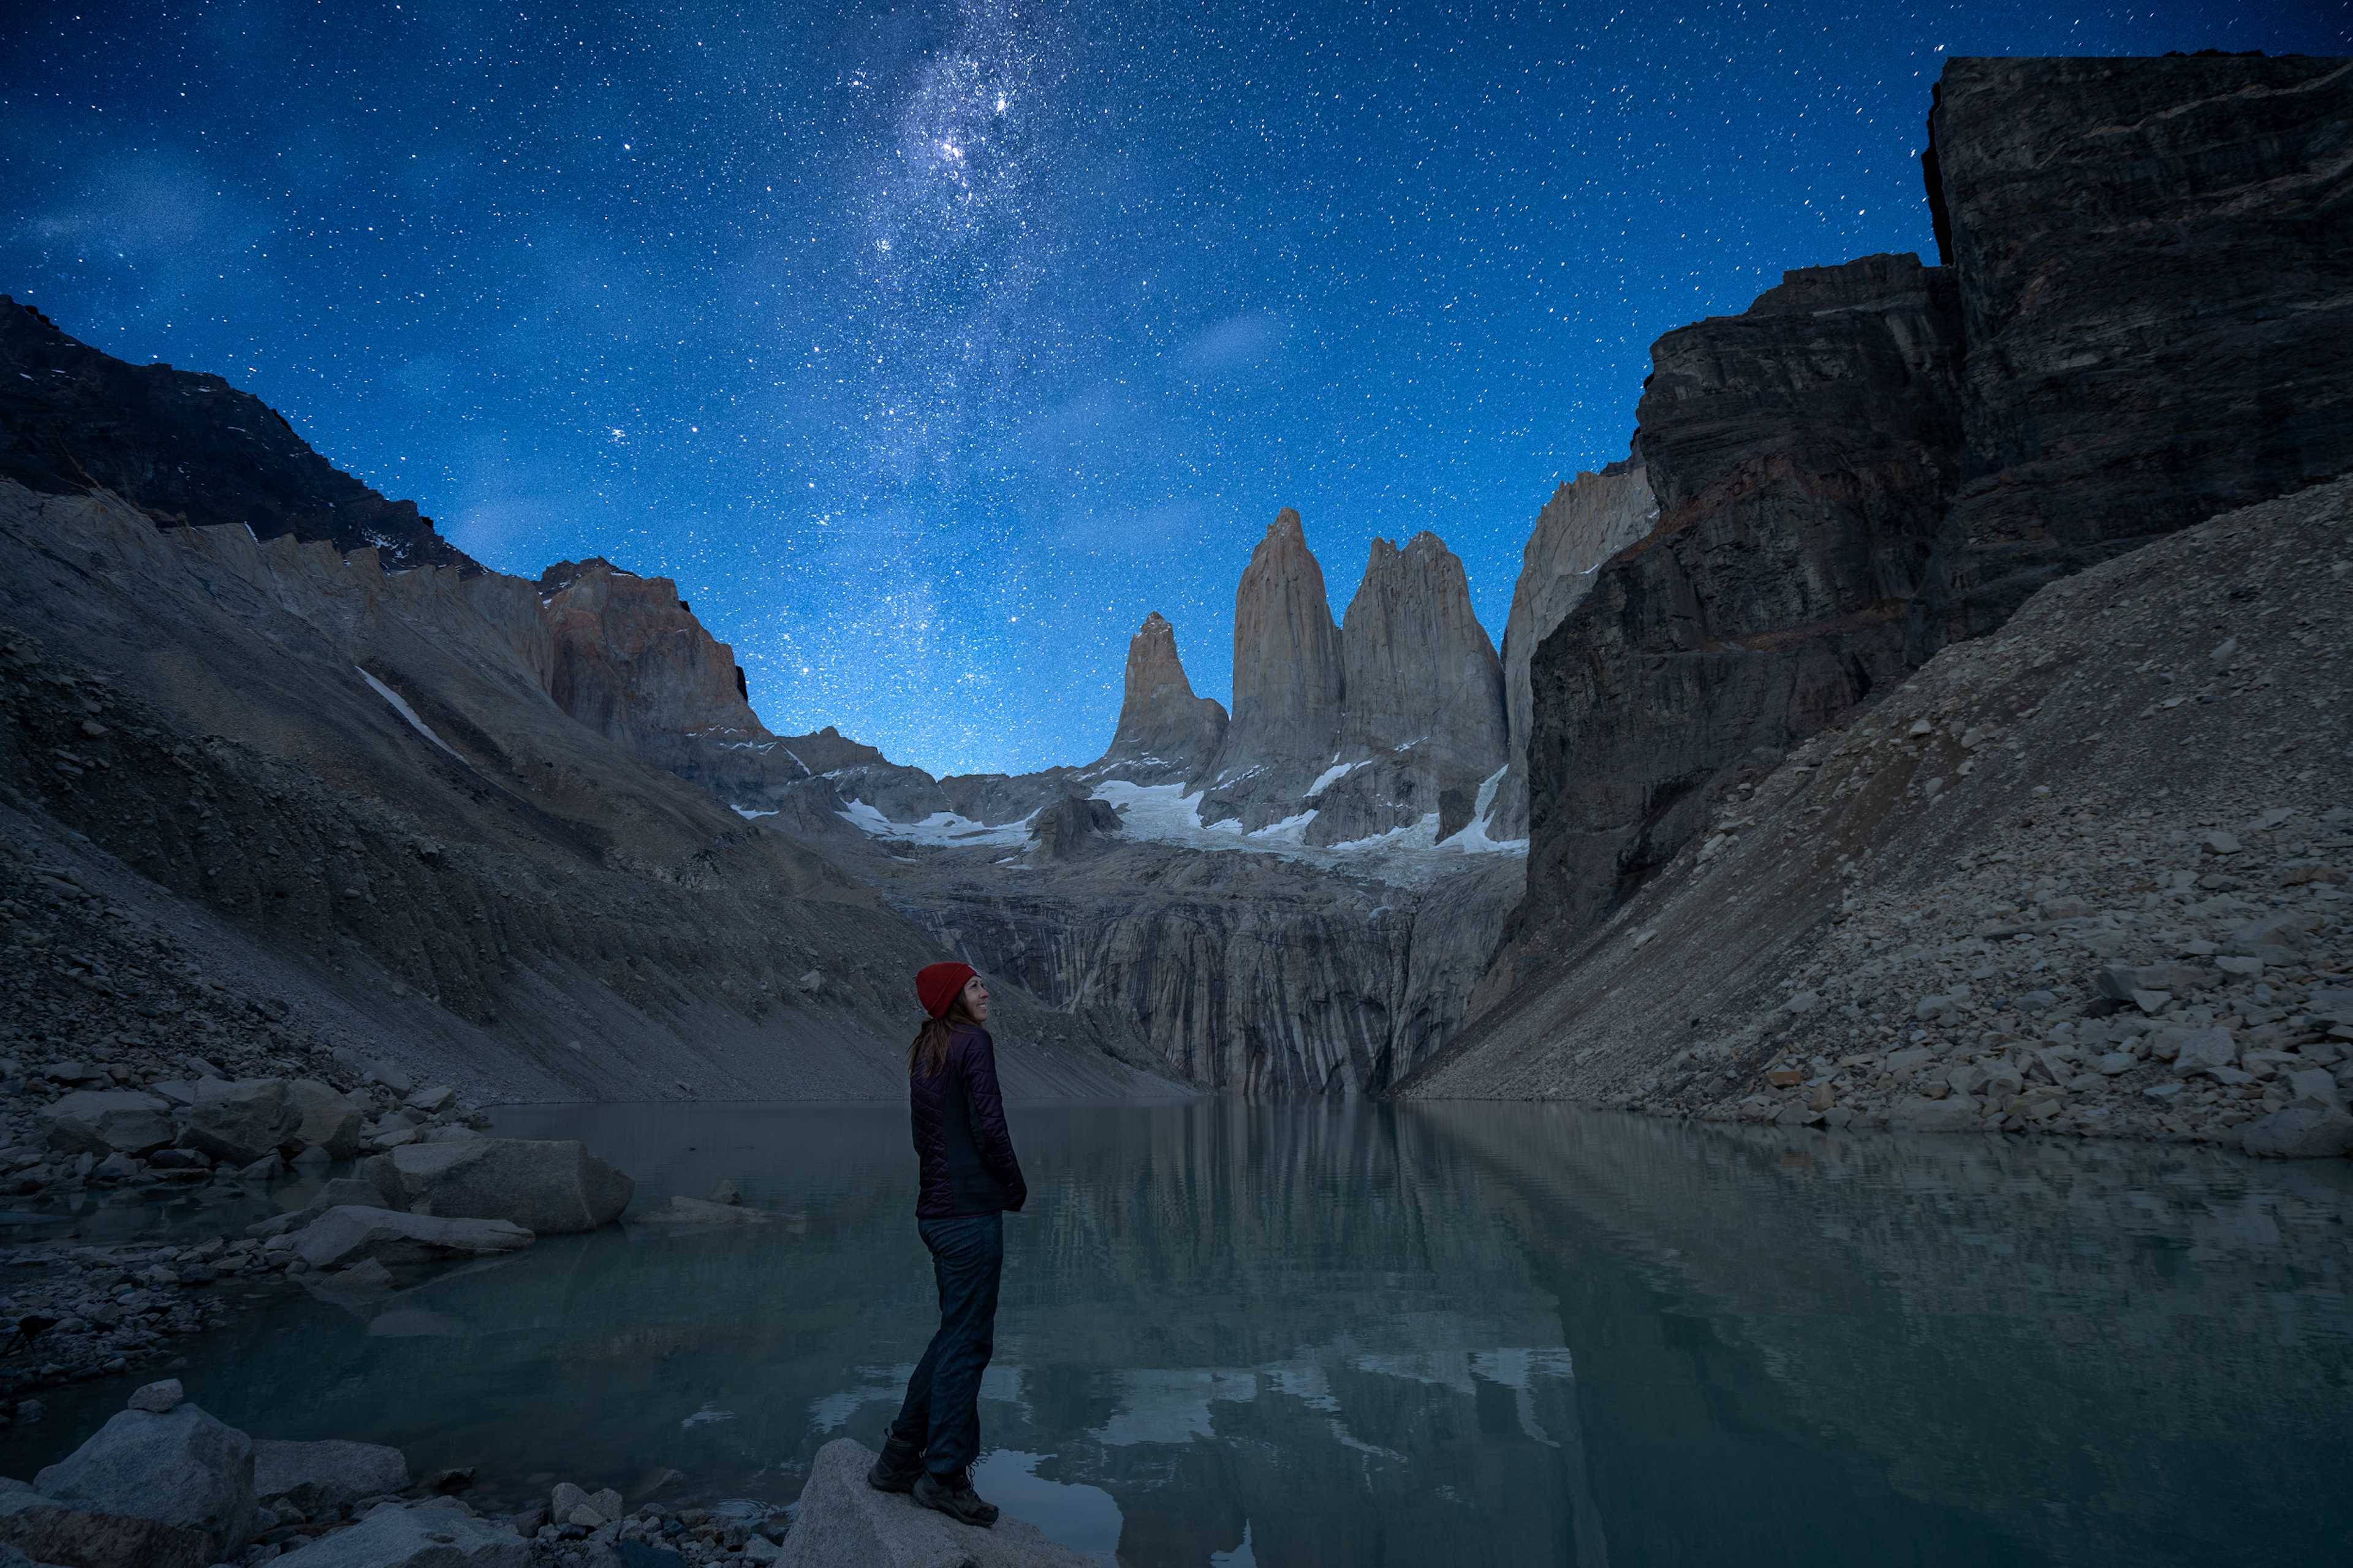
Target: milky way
931	346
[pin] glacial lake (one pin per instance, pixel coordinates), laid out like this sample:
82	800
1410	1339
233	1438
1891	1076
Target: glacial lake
1366	1335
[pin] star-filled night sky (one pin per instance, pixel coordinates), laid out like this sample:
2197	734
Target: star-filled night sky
929	346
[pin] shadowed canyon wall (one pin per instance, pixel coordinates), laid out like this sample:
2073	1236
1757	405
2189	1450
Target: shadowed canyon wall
2147	273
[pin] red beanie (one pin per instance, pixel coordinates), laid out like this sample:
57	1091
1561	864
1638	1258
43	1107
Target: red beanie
936	985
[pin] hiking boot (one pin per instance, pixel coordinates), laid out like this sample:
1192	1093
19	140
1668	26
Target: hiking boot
953	1495
897	1468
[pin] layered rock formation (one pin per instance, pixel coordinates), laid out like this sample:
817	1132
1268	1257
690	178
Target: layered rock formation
629	661
188	449
1586	521
1165	733
1801	454
2147	278
2156	287
1244	972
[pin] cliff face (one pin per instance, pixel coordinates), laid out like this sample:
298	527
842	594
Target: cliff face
2140	324
1343	734
1586	521
1801	454
356	786
1165	733
189	450
1246	972
1287	676
1417	668
2157	289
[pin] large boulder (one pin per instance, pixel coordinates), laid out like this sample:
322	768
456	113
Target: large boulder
36	1530
351	1235
549	1187
238	1123
108	1122
842	1522
179	1467
319	1477
424	1537
323	1119
2300	1134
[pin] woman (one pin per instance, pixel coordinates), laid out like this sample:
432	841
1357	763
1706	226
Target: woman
969	1180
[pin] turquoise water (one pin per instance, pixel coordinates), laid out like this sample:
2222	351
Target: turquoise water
1363	1335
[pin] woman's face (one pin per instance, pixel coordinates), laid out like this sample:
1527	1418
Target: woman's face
976	999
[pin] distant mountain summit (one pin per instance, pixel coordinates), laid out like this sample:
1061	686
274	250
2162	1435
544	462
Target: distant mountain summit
186	448
1165	733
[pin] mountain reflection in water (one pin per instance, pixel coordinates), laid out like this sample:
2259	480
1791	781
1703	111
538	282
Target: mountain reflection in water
1470	1333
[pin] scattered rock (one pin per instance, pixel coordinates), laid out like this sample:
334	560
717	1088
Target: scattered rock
421	1537
695	1211
240	1124
36	1531
324	1120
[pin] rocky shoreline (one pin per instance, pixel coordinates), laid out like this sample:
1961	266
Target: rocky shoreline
166	1485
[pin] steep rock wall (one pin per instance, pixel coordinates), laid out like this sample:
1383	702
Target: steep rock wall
1244	973
1801	454
1417	670
1288	679
1586	521
2155	269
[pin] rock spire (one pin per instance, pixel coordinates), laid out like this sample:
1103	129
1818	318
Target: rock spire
1287	676
1418	670
1165	730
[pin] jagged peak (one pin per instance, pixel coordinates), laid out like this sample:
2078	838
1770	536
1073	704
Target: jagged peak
563	574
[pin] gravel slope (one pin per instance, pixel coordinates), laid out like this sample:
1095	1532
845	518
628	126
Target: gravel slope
1921	906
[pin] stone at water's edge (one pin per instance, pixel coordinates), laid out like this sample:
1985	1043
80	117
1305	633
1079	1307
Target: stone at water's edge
842	1522
2300	1134
107	1121
343	1237
182	1467
317	1477
550	1187
397	1537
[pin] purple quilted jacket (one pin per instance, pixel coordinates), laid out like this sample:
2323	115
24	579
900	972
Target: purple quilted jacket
965	1154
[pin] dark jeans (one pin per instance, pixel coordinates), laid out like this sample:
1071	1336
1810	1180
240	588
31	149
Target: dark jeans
942	1412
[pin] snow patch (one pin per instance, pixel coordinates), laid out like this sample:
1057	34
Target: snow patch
1471	839
1331	776
940	827
406	711
748	815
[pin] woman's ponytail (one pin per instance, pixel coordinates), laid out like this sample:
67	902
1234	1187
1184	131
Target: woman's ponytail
928	1051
